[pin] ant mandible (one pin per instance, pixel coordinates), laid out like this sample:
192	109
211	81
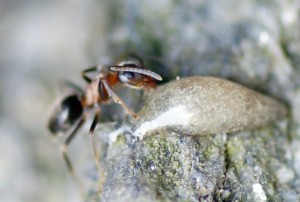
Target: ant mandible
73	109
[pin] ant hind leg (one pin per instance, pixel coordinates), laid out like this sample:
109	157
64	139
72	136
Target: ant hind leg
68	161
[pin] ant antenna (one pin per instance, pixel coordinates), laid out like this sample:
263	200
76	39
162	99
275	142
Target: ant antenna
136	70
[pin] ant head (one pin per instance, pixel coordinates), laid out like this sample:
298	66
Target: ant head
66	114
132	73
131	60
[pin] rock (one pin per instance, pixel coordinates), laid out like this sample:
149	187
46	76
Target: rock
169	165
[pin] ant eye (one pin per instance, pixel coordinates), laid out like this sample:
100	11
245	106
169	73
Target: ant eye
125	77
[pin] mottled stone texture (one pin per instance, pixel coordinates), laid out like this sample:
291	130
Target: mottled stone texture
253	43
168	166
172	165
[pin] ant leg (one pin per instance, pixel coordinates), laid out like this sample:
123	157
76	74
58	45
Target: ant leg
68	162
95	152
85	76
72	86
92	129
116	98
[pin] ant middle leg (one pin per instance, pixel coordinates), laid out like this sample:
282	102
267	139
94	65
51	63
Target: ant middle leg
92	139
95	151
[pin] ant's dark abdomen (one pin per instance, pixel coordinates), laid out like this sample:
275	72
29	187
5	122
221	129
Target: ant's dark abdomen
66	114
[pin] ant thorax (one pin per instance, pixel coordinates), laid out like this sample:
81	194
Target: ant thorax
92	96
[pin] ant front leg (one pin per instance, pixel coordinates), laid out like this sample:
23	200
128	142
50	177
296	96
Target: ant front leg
116	98
65	155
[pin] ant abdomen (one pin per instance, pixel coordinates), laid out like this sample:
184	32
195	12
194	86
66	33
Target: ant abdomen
66	114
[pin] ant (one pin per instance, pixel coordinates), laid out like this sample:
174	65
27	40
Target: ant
73	109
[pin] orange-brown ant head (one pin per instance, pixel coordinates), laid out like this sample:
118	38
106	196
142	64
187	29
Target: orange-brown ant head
134	75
